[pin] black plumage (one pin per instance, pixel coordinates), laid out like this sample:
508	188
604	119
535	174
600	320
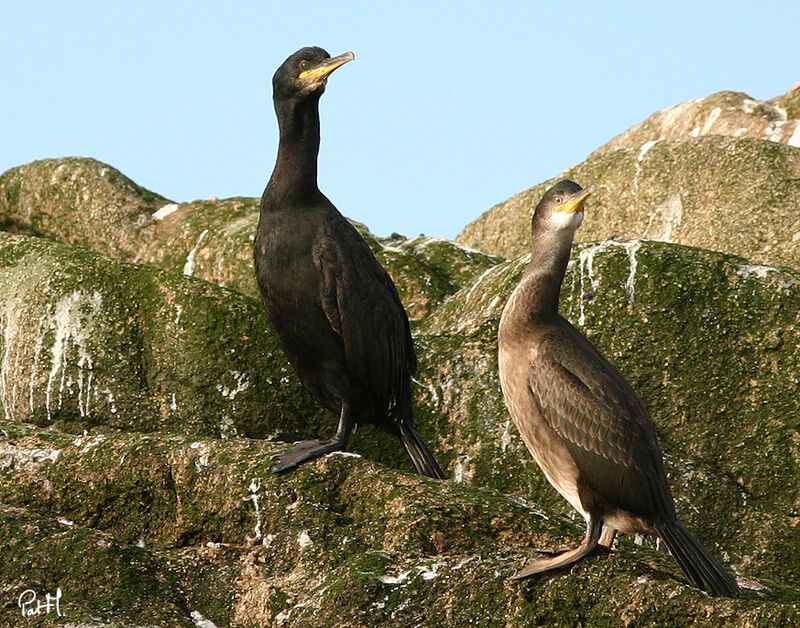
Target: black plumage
578	415
334	308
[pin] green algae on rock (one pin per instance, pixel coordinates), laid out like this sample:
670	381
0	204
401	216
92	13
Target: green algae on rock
209	239
339	542
427	270
132	399
97	575
77	200
733	195
731	114
89	204
93	344
89	342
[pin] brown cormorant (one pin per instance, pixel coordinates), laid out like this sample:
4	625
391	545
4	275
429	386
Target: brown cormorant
334	308
579	417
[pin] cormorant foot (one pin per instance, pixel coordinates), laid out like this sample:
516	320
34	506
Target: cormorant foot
306	450
547	551
558	561
551	552
565	559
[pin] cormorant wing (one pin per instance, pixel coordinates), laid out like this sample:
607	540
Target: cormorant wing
363	307
590	405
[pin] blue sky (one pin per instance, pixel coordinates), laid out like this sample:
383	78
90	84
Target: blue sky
448	109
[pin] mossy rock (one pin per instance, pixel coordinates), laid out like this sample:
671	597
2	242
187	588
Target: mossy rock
338	542
662	312
98	577
142	408
790	102
90	204
208	239
732	114
77	200
733	195
427	270
91	342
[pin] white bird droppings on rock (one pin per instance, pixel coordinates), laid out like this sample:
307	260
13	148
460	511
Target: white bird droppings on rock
398	579
188	267
165	211
345	454
712	118
73	323
254	488
200	621
460	468
429	573
26	458
794	140
748	270
586	267
643	150
505	439
242	384
304	540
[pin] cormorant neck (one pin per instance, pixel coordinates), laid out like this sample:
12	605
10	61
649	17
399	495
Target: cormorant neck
295	175
543	277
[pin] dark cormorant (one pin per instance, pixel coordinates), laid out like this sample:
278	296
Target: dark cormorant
333	306
579	417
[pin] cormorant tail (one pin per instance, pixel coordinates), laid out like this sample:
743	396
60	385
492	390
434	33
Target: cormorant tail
420	455
699	565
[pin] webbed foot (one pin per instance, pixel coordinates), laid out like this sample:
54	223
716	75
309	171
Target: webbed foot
310	449
306	450
587	546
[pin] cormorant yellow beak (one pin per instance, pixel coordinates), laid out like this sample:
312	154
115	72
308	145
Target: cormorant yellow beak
575	203
320	73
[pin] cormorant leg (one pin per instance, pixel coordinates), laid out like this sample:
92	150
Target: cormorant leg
607	539
310	449
604	544
589	543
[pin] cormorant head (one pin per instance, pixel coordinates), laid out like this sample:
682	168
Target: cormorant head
561	206
305	73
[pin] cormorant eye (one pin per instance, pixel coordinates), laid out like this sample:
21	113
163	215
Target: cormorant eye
559	199
305	66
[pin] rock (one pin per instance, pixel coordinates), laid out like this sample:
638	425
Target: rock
732	114
340	542
90	342
86	203
93	343
96	575
790	102
735	195
78	201
427	270
664	314
211	240
185	496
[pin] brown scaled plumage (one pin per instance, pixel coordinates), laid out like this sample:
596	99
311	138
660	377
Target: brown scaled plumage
579	417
